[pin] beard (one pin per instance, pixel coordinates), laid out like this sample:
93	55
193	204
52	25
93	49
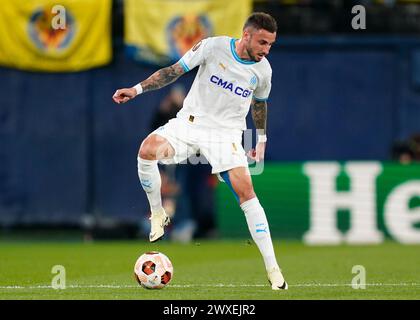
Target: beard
252	55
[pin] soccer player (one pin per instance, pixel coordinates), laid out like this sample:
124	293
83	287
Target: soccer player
233	76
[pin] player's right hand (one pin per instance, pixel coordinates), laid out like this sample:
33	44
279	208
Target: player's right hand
257	154
123	95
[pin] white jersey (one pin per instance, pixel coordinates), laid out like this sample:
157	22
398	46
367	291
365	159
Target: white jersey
224	86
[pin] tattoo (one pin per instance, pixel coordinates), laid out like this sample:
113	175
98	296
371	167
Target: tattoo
259	115
163	77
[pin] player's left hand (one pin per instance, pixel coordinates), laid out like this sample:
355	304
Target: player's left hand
257	154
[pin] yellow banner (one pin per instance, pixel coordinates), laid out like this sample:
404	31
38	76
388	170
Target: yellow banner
46	35
161	31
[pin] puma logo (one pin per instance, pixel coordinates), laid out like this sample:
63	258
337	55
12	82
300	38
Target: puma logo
261	230
146	183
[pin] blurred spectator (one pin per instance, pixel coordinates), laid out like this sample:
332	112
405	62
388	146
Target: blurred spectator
195	211
401	152
407	151
169	106
414	143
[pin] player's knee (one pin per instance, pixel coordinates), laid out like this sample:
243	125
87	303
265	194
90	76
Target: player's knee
147	151
246	194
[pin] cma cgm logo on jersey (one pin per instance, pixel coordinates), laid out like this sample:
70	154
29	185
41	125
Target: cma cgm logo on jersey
183	32
44	36
227	85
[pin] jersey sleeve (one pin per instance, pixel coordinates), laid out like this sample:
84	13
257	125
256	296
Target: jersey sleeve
197	54
263	89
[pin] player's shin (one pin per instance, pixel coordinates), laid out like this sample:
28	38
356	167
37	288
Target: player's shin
258	226
150	180
260	232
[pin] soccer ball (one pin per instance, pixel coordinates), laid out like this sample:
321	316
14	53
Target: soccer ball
153	270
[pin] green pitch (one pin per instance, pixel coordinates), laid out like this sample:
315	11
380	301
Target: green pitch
208	270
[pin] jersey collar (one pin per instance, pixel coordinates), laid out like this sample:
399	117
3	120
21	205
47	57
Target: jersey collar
235	55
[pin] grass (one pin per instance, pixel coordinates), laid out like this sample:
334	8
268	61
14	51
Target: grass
209	270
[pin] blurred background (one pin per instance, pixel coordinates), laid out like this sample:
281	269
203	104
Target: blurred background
346	90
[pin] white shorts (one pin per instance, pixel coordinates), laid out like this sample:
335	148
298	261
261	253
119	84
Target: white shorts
221	148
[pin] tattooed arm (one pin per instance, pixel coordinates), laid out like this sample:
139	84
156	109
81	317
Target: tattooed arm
162	77
259	115
157	80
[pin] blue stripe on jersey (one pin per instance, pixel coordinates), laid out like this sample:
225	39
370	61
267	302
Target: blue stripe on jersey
186	69
259	99
225	176
235	55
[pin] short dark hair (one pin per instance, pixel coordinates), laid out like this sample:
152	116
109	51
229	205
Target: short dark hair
261	20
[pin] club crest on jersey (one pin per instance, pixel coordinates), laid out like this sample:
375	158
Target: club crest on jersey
227	85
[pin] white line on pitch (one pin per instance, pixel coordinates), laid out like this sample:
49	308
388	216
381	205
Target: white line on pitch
220	285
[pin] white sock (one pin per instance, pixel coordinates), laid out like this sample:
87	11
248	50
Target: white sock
151	182
260	232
